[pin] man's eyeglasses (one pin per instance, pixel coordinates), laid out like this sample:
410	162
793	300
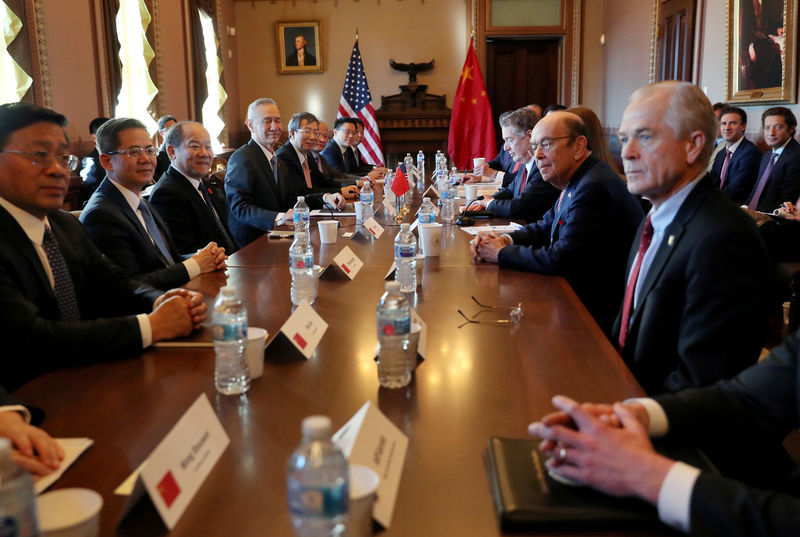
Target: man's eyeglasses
308	131
135	152
347	132
43	159
547	143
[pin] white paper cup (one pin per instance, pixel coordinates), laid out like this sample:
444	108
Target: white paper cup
471	192
476	163
256	343
413	345
327	231
419	266
69	513
431	235
363	484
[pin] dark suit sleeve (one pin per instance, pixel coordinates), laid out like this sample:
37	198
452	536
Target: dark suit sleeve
790	187
531	205
6	399
112	239
240	178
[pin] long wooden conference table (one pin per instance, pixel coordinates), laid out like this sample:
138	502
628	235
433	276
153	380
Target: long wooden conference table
478	381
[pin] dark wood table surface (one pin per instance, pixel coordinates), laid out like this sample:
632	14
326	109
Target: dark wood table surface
478	381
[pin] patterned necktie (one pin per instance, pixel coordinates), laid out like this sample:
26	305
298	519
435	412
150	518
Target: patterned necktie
725	167
762	183
153	231
227	242
62	281
627	305
273	162
307	173
349	160
318	161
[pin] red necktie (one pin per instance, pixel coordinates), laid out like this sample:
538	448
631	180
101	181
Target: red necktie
725	167
627	305
524	179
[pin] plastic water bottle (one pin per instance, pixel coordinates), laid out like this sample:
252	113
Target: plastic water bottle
405	257
454	178
387	186
366	201
318	484
421	169
438	180
231	371
408	163
448	202
427	212
17	499
441	160
301	266
394	326
301	215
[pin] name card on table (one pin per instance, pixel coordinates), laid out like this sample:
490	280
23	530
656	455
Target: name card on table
345	261
175	470
389	205
375	229
435	191
303	329
371	440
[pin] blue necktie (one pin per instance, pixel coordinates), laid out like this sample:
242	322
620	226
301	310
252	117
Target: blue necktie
273	162
227	242
62	281
153	231
753	205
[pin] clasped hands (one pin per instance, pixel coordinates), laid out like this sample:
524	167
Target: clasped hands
176	313
211	258
603	446
485	246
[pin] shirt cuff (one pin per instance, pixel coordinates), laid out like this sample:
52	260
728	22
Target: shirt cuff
192	267
489	205
498	177
145	330
659	425
675	496
26	414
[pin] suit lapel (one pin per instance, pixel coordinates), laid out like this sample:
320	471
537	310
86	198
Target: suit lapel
14	235
116	197
264	164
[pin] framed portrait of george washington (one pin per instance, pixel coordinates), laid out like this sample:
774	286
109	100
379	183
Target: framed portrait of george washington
299	47
761	51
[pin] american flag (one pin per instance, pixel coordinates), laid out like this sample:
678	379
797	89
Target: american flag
356	101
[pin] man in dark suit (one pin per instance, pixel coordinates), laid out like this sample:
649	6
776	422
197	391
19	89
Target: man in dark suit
92	172
502	166
344	179
607	447
301	168
528	196
779	172
698	274
162	160
339	152
300	56
258	191
735	169
182	197
61	301
586	234
124	226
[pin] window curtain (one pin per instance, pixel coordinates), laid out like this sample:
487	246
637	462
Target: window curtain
209	88
14	81
138	89
111	42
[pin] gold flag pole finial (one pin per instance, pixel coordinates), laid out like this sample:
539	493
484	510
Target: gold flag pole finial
356	33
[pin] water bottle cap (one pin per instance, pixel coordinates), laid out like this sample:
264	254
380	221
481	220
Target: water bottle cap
393	287
228	290
301	198
404	227
316	426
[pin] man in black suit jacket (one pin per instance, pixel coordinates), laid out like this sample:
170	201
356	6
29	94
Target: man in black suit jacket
61	301
295	155
782	182
182	197
585	235
344	179
529	196
124	226
698	275
300	56
257	188
339	152
747	417
162	160
740	157
91	171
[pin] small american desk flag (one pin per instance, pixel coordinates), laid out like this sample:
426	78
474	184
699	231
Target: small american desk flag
356	101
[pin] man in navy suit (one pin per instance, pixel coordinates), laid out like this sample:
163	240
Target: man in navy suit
61	301
698	274
779	172
257	188
124	226
736	168
339	152
182	197
528	196
502	166
586	234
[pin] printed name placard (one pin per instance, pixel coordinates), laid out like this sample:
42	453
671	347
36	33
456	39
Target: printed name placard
375	229
434	190
389	205
304	329
371	440
175	470
348	262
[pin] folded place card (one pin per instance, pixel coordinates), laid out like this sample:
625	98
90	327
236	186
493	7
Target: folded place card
371	440
389	206
73	448
375	229
303	329
173	473
434	190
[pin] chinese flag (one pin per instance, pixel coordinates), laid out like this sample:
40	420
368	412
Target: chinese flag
400	183
471	126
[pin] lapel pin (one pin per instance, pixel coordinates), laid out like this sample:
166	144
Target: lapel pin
671	240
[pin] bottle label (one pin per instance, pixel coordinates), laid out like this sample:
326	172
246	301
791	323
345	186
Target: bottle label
301	261
394	327
367	198
427	218
404	250
230	332
321	502
300	217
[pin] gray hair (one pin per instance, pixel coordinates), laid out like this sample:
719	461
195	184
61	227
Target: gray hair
520	120
251	110
298	119
174	137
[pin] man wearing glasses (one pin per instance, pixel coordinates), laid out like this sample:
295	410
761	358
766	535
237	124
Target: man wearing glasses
339	152
124	226
779	171
586	235
61	301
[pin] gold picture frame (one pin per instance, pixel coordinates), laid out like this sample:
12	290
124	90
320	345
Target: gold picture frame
290	36
761	51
